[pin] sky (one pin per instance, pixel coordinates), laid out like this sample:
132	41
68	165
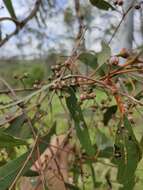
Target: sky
61	3
56	28
54	37
52	32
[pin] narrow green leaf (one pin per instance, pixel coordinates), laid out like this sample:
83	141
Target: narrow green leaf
109	113
7	140
18	128
127	155
101	4
79	122
9	6
89	59
9	171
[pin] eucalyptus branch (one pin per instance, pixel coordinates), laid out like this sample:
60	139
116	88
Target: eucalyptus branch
7	91
27	98
9	19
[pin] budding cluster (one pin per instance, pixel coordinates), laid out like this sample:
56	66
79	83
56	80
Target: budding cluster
56	69
119	2
58	85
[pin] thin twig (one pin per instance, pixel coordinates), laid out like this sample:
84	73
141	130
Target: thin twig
9	19
24	165
117	28
21	24
7	91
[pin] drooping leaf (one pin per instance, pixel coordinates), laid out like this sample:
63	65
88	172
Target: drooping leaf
9	6
88	59
7	140
79	122
9	171
127	155
109	113
102	4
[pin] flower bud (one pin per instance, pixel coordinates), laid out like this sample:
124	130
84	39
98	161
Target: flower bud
120	2
124	53
114	60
